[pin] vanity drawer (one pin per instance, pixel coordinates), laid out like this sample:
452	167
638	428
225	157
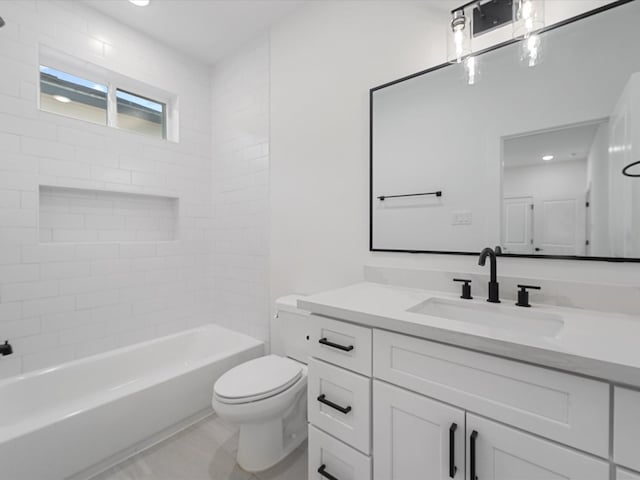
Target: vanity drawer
332	391
341	343
626	427
559	406
335	458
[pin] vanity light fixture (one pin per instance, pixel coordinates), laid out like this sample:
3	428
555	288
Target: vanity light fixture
62	98
548	158
140	3
459	37
528	16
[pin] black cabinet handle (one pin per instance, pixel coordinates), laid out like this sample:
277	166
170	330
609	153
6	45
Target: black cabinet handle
323	471
472	456
322	399
452	450
326	342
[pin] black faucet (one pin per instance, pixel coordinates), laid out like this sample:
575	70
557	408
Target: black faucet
494	287
6	349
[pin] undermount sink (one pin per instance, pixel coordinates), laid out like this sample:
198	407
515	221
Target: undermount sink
511	318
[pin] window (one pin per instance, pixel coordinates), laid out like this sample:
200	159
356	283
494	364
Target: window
99	99
72	96
140	114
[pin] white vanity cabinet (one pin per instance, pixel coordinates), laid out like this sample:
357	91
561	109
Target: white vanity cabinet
435	411
416	437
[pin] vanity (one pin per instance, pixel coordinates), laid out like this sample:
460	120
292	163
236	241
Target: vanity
398	391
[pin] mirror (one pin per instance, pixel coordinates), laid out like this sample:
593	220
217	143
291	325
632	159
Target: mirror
528	158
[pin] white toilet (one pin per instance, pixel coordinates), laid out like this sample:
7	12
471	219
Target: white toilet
267	397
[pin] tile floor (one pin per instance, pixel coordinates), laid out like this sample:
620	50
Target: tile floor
204	451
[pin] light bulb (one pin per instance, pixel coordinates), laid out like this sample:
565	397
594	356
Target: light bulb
458	37
140	3
531	53
471	68
62	98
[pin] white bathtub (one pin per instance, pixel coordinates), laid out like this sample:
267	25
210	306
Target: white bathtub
74	419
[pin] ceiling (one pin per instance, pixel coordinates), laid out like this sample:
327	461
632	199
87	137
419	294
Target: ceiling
571	143
203	29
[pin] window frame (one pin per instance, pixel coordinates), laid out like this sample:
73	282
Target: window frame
113	81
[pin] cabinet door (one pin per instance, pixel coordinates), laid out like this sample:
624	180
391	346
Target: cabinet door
412	436
496	452
626	428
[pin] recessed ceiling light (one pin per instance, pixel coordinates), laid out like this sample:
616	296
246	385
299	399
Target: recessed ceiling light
547	158
140	3
62	98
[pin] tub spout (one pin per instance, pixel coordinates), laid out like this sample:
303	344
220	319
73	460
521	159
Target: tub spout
6	349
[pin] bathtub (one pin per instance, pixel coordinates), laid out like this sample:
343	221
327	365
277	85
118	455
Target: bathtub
78	418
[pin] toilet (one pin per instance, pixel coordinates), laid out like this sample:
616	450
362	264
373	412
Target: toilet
267	396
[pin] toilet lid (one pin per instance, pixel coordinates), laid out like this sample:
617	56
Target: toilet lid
257	379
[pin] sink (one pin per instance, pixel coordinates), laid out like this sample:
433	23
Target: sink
503	317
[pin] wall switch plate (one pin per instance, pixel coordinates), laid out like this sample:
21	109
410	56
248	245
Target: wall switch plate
462	218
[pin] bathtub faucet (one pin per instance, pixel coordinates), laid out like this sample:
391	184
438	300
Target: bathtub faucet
6	349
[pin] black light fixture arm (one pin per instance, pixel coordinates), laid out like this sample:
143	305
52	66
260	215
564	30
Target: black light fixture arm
437	193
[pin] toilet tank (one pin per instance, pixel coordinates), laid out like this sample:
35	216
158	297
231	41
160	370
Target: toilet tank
290	329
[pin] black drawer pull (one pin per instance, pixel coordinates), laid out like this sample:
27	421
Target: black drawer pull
452	450
326	342
323	471
322	399
472	456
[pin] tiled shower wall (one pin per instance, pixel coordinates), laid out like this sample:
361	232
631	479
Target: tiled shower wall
60	301
240	234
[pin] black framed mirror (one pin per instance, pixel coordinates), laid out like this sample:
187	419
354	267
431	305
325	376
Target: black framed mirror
528	157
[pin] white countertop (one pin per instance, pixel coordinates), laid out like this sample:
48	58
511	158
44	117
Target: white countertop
597	344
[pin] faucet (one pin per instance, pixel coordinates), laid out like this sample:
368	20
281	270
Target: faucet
494	287
6	349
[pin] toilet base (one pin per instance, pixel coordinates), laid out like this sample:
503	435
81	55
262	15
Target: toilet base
263	445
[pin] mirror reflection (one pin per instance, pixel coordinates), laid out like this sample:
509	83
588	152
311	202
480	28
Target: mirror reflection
528	158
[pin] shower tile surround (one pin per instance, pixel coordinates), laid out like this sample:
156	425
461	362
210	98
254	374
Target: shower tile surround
68	295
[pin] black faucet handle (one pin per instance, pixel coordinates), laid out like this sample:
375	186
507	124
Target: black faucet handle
466	288
523	294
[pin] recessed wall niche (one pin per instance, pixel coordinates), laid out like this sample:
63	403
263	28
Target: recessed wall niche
79	216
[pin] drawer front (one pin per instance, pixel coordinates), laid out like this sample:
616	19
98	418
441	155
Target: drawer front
622	474
498	452
563	407
341	343
335	458
340	403
626	428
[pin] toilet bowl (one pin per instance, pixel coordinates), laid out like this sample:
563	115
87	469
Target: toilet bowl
267	398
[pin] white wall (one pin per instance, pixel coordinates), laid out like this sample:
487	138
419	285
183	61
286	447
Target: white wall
546	179
67	300
324	59
240	236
